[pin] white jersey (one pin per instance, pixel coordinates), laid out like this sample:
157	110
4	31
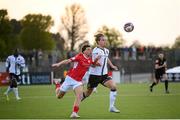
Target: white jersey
15	64
103	53
86	77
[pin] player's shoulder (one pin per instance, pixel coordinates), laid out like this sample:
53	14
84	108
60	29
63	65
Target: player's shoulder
79	55
95	50
10	57
20	57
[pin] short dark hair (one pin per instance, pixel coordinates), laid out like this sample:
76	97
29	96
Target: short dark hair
16	51
84	47
98	36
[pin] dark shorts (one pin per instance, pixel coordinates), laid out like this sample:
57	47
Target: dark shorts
14	76
159	74
13	80
94	80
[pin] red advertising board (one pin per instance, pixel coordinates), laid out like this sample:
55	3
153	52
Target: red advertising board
4	78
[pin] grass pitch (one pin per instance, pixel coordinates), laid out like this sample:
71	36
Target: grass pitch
134	101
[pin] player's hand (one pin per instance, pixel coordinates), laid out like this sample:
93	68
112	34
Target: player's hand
114	67
55	65
165	65
98	57
98	64
162	66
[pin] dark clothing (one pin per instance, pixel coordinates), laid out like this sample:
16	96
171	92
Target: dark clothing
13	80
94	80
159	72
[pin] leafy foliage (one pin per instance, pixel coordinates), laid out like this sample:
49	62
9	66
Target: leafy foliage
114	37
177	43
6	37
34	34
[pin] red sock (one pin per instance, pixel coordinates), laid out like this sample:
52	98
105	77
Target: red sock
58	85
75	109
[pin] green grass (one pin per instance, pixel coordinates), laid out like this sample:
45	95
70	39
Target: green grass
134	101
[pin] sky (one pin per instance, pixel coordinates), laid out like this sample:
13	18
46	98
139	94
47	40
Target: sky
156	22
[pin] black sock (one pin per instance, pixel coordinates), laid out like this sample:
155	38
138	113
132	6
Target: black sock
166	85
83	97
153	84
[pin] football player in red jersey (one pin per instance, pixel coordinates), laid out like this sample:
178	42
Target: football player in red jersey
73	80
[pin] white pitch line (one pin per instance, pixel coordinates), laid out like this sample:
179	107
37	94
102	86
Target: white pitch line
148	95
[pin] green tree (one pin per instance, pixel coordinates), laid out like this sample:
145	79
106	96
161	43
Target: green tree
74	25
114	37
16	29
7	41
176	43
59	44
16	26
35	33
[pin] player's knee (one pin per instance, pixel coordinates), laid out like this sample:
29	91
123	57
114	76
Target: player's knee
156	81
113	88
78	96
13	85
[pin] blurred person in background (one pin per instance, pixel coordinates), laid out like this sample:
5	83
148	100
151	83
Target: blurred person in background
160	72
14	65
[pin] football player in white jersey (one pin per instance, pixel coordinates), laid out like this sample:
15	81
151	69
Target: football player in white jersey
99	74
14	65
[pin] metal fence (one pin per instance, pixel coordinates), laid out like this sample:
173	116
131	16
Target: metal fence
130	65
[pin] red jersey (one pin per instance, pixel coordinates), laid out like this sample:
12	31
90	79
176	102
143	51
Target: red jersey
81	65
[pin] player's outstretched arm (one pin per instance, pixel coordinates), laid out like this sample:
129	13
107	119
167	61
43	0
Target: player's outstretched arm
67	61
111	65
160	66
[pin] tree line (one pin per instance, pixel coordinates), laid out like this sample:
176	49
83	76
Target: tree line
33	32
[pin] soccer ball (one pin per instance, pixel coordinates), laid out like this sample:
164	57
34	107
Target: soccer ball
129	27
